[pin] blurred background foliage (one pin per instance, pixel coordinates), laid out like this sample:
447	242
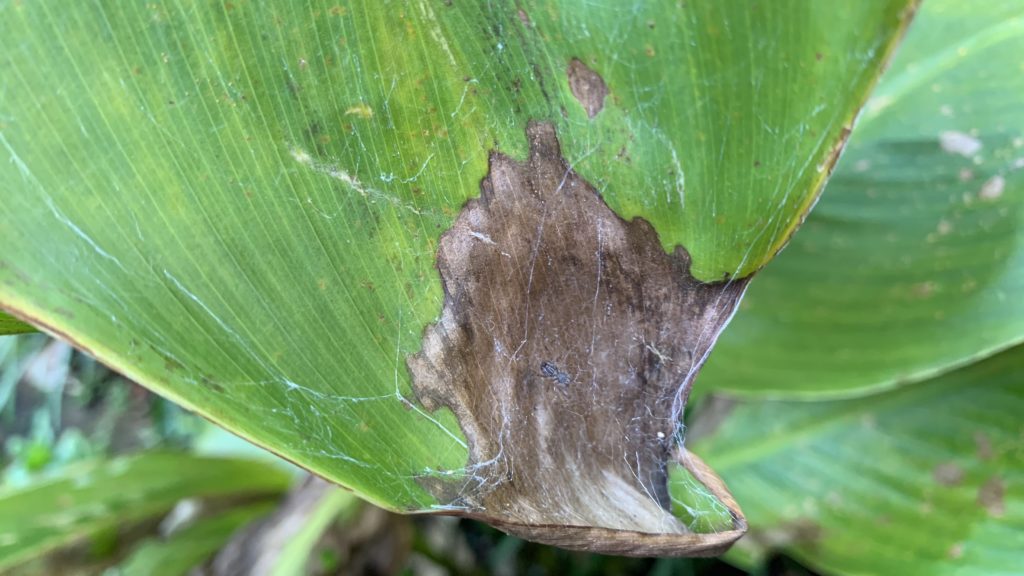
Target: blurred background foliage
101	476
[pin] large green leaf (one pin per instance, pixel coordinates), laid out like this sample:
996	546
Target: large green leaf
107	495
926	479
912	261
239	204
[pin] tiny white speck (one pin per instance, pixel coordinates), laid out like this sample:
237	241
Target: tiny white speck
992	189
959	143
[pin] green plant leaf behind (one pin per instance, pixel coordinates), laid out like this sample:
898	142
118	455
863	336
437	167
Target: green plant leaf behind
92	499
239	204
296	557
912	262
925	479
10	325
191	546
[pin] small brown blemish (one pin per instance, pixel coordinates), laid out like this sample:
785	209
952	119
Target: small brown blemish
524	18
990	497
566	347
983	446
587	86
923	289
835	151
803	531
948	474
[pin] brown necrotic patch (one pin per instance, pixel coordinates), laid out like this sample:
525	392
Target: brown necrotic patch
566	348
587	86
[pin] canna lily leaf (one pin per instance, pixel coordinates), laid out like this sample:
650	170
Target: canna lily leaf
925	479
459	257
910	264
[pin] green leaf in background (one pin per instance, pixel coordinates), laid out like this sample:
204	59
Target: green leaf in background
239	204
296	555
927	479
182	551
90	499
912	262
11	325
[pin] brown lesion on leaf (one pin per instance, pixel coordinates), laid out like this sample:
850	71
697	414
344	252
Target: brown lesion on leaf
566	348
587	86
990	497
948	474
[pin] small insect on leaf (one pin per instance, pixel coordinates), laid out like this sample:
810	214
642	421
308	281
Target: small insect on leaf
550	370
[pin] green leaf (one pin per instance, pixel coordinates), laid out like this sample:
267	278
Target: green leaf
240	205
93	498
926	479
911	263
295	555
182	551
11	325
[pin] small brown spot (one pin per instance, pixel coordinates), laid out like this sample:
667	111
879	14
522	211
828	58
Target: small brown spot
833	154
990	497
798	531
956	550
172	365
524	18
948	474
818	56
923	289
983	446
587	86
